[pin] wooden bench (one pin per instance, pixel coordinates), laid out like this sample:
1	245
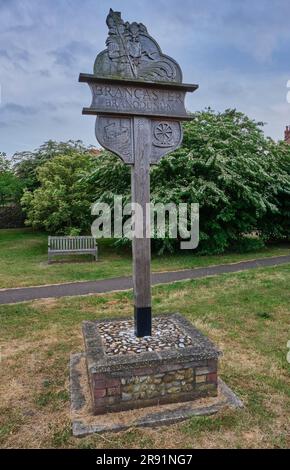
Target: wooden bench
60	246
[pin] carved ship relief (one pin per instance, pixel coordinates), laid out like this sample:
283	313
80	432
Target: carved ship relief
115	134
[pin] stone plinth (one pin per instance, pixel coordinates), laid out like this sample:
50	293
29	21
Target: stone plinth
177	364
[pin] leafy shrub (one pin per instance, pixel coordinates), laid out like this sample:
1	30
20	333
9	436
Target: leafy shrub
226	165
240	179
62	202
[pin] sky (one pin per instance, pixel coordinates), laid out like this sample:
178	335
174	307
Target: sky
237	51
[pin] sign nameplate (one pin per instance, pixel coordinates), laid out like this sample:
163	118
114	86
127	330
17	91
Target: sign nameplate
111	96
136	99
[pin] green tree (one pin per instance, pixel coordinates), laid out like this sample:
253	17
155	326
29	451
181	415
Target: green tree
227	166
277	227
4	162
63	199
10	184
26	163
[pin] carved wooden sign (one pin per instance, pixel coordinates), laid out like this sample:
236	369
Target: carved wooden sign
139	100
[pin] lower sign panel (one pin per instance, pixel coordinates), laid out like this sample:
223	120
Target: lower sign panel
116	135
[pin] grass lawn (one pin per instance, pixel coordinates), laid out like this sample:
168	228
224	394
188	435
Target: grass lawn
23	261
247	314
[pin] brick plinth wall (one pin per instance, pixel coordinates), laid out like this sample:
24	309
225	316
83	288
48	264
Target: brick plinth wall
139	380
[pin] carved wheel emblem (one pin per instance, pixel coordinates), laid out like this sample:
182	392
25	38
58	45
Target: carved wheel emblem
163	133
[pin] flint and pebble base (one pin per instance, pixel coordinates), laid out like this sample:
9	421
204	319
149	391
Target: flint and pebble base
140	379
85	423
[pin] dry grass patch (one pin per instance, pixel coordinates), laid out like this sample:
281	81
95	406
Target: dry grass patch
246	314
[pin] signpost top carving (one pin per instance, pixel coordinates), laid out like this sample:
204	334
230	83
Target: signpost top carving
132	53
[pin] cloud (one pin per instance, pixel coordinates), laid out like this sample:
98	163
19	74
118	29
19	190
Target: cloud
237	52
22	55
13	108
4	54
71	53
21	28
44	73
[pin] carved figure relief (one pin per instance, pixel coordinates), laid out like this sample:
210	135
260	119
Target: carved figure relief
132	53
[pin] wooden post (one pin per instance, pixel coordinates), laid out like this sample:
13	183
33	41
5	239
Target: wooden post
140	181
